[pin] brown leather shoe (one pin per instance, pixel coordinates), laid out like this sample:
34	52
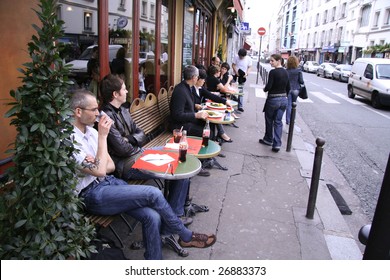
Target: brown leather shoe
199	240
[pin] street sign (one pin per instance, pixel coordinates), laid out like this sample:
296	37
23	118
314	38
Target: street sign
261	31
244	26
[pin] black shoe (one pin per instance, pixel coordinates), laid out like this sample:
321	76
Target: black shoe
186	220
204	173
241	109
275	150
222	155
261	141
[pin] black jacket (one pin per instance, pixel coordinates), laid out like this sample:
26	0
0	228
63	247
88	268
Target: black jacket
125	139
182	107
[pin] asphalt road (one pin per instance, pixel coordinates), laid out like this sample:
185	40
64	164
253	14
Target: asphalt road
357	135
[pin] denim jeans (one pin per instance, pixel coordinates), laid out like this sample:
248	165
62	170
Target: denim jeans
147	204
273	110
292	97
178	189
240	99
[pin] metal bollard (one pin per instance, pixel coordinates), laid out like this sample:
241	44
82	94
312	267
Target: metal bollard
378	243
315	178
291	127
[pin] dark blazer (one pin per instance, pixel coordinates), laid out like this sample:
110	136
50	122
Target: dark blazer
182	107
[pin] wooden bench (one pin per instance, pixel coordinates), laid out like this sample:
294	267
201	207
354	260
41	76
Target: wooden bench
151	116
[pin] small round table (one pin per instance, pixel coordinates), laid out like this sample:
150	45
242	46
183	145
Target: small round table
184	170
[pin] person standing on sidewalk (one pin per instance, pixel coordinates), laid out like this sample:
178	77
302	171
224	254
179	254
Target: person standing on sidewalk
278	86
296	80
107	195
241	65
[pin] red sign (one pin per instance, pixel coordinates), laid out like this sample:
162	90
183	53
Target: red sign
261	31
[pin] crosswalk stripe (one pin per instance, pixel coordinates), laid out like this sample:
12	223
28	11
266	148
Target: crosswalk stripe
324	97
346	98
300	100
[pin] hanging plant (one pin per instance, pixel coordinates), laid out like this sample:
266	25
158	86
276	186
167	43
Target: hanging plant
41	217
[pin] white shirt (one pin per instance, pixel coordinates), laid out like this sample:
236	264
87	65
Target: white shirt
87	145
242	64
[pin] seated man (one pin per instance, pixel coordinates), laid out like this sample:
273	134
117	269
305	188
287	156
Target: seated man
201	95
182	105
107	195
125	143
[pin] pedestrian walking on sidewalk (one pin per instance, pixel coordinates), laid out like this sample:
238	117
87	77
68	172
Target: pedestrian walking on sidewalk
241	65
296	80
278	86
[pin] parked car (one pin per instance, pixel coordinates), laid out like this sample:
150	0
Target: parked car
342	72
370	79
146	56
326	69
310	66
78	68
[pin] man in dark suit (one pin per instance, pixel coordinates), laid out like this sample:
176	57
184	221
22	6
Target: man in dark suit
182	105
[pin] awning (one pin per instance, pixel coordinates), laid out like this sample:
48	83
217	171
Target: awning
329	49
238	7
342	49
247	46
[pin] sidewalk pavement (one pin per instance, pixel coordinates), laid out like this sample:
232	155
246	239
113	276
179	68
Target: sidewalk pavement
258	206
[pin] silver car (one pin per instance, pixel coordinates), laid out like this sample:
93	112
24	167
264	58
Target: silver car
342	72
326	69
310	66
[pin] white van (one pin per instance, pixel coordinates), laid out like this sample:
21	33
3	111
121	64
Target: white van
370	78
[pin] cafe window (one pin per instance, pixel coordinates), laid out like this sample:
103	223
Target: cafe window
88	21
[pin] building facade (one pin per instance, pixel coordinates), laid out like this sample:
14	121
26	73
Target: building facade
332	30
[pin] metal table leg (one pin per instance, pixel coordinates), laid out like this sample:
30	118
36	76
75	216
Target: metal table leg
174	245
213	162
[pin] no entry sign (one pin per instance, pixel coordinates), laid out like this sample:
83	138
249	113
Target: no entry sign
261	31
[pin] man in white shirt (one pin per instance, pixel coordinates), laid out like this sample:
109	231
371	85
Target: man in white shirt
241	65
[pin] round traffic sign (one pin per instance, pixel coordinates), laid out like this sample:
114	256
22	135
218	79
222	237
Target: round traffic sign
261	31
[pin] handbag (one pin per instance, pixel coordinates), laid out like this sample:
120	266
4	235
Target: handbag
303	92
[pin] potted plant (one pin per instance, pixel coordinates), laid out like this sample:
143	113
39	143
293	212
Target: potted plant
41	216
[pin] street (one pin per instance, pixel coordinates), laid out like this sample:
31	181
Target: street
357	135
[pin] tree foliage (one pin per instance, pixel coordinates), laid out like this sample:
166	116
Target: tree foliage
42	217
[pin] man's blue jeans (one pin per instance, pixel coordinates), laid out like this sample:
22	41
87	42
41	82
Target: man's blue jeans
178	189
273	111
292	97
147	204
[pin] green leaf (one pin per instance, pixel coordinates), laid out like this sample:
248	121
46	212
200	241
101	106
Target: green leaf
20	223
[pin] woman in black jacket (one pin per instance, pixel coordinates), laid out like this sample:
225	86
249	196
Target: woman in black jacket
278	86
296	80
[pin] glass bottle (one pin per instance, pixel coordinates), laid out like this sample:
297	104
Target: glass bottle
227	115
206	134
183	146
